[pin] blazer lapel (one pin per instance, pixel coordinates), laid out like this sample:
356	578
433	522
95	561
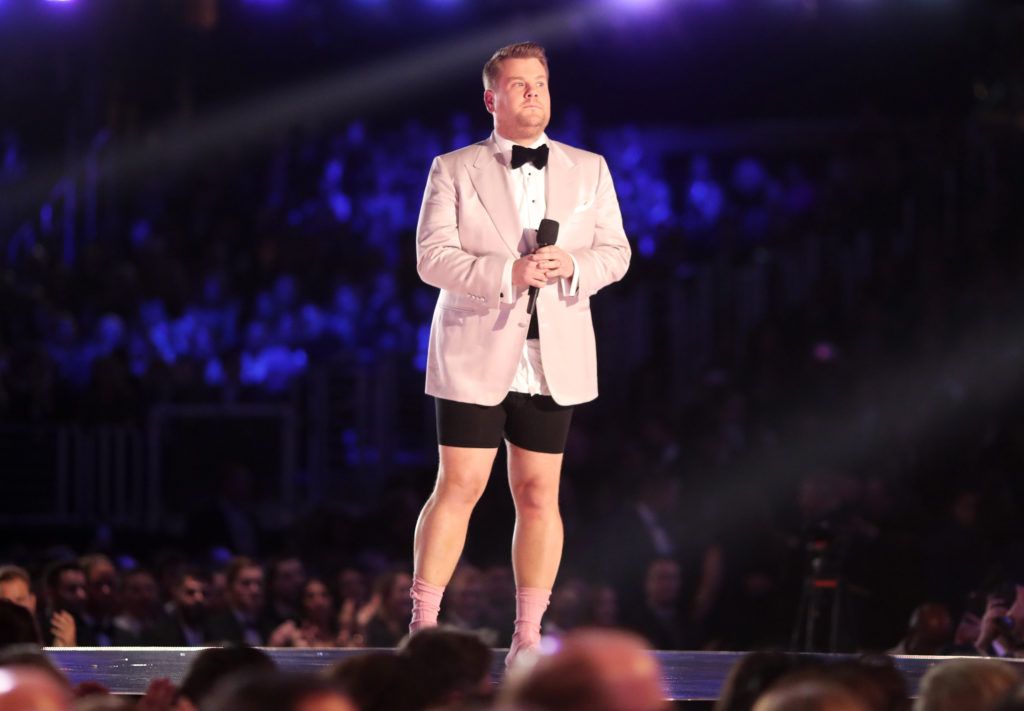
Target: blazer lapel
493	184
563	184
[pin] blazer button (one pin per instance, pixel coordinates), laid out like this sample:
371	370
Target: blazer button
501	295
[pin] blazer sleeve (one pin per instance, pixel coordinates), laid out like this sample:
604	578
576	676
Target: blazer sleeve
607	259
441	260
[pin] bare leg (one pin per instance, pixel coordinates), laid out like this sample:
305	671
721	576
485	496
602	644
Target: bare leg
441	528
537	540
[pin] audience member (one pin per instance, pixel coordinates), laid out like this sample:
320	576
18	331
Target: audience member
593	670
278	692
928	632
447	668
30	655
375	681
568	609
183	623
968	628
140	607
286	579
213	665
390	609
465	605
242	621
17	626
1001	628
965	685
28	689
16	586
874	679
353	594
809	695
102	590
1012	702
751	676
662	618
316	622
61	622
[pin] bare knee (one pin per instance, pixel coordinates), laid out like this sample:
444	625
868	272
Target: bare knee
459	489
535	499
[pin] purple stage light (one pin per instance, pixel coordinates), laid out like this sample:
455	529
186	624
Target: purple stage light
637	4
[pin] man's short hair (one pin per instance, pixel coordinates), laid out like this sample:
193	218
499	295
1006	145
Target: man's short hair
519	50
445	663
237	565
186	573
17	625
965	685
90	561
14	572
55	570
31	655
213	665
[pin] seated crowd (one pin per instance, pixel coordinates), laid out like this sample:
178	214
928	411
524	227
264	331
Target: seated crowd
444	668
90	602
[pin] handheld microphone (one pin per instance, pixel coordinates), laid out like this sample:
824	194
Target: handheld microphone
547	235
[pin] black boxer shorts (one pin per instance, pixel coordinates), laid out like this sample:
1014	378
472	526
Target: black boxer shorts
533	422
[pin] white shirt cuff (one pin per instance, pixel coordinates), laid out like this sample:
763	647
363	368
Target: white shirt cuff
571	286
508	292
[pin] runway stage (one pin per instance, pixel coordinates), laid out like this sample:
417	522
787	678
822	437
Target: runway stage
689	676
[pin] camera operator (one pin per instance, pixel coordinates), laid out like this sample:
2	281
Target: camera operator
1002	625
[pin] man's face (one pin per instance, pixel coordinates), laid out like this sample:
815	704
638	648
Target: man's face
17	591
247	590
70	592
141	596
102	588
288	582
190	599
519	99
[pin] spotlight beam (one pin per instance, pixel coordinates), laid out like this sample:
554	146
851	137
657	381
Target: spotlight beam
920	406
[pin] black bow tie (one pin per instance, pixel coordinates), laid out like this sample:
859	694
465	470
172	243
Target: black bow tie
522	155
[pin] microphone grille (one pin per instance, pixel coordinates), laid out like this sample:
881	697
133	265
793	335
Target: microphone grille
547	233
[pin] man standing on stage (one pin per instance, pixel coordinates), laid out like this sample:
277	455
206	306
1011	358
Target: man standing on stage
496	372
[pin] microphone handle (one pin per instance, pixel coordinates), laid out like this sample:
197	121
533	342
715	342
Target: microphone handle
532	301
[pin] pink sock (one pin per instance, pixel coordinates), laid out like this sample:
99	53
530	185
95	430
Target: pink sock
530	606
426	603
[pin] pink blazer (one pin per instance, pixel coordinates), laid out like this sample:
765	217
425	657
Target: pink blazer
468	228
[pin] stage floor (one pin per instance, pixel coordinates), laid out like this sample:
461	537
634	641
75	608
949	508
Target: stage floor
689	676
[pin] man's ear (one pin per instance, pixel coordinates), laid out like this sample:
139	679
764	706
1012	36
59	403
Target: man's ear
489	100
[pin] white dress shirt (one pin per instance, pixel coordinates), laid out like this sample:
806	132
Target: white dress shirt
529	189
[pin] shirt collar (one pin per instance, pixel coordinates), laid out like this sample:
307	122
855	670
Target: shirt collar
505	145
